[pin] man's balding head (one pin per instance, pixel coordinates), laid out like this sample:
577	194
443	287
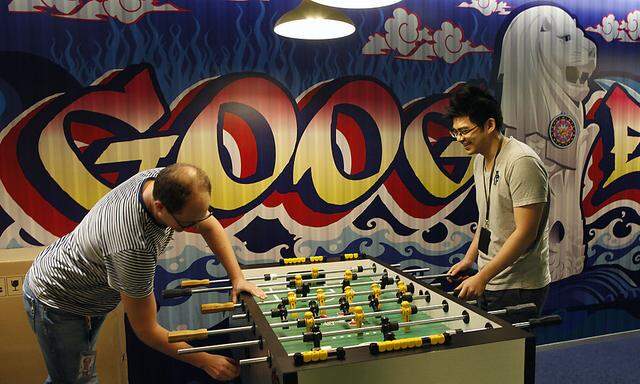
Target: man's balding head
176	183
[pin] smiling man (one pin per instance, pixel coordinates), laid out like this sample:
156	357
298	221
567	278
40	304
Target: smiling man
110	257
511	244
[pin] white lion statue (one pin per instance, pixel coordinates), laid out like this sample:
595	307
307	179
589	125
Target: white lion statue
544	66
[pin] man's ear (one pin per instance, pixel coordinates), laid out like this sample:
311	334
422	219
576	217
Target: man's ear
157	204
490	125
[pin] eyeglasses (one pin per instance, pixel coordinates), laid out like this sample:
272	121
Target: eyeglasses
464	132
192	223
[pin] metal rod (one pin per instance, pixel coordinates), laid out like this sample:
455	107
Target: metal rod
275	276
377	327
219	347
416	270
433	276
330	333
321	279
215	289
354	284
321	320
430	321
229	330
355	303
331	295
254	360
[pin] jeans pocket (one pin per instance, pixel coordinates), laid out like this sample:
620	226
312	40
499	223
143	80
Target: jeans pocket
30	309
55	317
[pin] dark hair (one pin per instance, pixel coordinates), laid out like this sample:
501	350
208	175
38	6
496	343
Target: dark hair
477	104
174	185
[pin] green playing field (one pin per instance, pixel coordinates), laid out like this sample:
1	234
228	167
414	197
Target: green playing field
362	293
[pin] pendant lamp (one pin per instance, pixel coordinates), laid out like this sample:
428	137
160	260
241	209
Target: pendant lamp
357	4
313	21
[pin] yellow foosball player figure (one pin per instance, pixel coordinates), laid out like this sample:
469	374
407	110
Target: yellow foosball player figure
375	290
349	293
291	297
320	296
402	288
298	280
309	320
405	306
358	318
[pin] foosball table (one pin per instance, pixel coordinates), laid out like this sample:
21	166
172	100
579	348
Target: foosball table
357	320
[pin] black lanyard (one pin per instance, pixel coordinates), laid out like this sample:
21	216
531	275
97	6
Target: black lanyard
487	196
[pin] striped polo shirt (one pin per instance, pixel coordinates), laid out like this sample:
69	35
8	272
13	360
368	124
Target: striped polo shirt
114	249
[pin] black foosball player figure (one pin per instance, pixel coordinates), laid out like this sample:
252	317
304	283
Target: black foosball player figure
314	336
344	305
314	308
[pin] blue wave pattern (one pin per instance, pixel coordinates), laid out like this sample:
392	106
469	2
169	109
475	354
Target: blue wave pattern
185	52
611	240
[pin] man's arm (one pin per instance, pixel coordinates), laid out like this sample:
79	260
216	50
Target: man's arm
469	257
142	317
527	219
214	234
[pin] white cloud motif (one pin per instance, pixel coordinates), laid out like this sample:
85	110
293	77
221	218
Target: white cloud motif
449	43
376	45
125	11
625	31
633	25
488	7
424	52
405	37
402	31
63	6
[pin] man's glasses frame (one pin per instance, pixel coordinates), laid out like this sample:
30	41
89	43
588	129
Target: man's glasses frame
193	223
464	133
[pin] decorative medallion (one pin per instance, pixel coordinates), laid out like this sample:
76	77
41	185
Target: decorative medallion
562	130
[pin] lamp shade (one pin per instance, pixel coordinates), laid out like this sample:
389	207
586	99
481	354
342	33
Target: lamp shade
356	4
312	21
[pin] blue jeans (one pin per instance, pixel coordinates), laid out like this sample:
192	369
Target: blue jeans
67	341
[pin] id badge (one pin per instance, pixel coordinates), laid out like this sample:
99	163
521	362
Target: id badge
485	239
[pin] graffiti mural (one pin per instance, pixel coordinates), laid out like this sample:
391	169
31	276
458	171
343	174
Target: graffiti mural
323	148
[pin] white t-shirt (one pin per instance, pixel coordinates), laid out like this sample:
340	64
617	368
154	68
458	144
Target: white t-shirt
519	179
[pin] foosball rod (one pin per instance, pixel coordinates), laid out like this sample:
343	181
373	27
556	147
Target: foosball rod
201	334
271	276
327	296
527	308
332	295
229	306
177	292
318	280
464	317
274	276
320	320
333	306
547	320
